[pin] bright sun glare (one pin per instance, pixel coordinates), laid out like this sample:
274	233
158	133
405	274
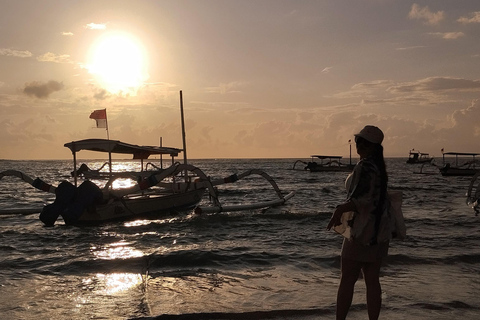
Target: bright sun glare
119	63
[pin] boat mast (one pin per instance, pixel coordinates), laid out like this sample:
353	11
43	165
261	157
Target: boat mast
74	166
183	134
161	155
350	143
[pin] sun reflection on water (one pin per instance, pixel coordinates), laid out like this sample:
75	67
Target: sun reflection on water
123	183
117	250
113	282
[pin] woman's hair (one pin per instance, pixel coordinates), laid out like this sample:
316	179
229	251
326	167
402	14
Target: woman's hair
379	161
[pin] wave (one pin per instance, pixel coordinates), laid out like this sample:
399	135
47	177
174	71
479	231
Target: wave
252	315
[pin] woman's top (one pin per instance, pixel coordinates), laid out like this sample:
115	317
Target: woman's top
364	190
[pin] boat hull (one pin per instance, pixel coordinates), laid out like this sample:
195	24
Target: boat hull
414	161
458	171
140	206
320	168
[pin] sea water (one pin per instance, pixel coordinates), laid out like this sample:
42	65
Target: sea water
279	263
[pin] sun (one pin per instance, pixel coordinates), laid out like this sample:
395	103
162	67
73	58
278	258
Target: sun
119	62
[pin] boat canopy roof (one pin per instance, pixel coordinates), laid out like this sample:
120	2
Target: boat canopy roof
115	146
461	154
326	157
418	152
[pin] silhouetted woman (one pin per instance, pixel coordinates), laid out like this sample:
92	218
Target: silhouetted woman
366	194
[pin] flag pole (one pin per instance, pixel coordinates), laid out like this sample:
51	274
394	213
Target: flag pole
106	124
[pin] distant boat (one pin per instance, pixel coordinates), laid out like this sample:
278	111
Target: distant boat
467	168
418	157
326	164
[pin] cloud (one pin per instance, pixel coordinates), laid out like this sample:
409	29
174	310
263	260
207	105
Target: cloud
42	91
462	131
474	18
448	35
467	118
395	100
96	26
15	53
431	18
372	85
436	84
67	33
411	48
224	88
365	88
101	94
326	69
52	57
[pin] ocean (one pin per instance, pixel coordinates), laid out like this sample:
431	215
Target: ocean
279	263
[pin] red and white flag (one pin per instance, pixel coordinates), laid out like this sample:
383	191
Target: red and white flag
100	116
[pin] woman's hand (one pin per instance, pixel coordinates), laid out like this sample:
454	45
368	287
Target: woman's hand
336	218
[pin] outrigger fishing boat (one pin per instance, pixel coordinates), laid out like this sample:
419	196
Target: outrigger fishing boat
320	163
326	164
149	194
416	156
455	168
178	187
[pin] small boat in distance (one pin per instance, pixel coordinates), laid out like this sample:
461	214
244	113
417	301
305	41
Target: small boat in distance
416	156
326	164
455	168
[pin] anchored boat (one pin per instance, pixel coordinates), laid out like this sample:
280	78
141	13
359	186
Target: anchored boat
151	197
416	156
148	193
460	166
321	163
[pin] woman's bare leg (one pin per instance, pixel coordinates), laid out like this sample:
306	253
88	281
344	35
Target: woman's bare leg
350	271
371	273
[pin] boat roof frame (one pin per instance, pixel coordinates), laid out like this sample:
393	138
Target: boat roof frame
419	153
119	147
326	157
461	154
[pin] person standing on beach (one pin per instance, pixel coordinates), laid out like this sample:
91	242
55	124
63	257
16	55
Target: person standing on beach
366	195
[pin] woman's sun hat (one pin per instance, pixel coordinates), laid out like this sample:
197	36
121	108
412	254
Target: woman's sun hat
371	133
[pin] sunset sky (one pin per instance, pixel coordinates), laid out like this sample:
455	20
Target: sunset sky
260	79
